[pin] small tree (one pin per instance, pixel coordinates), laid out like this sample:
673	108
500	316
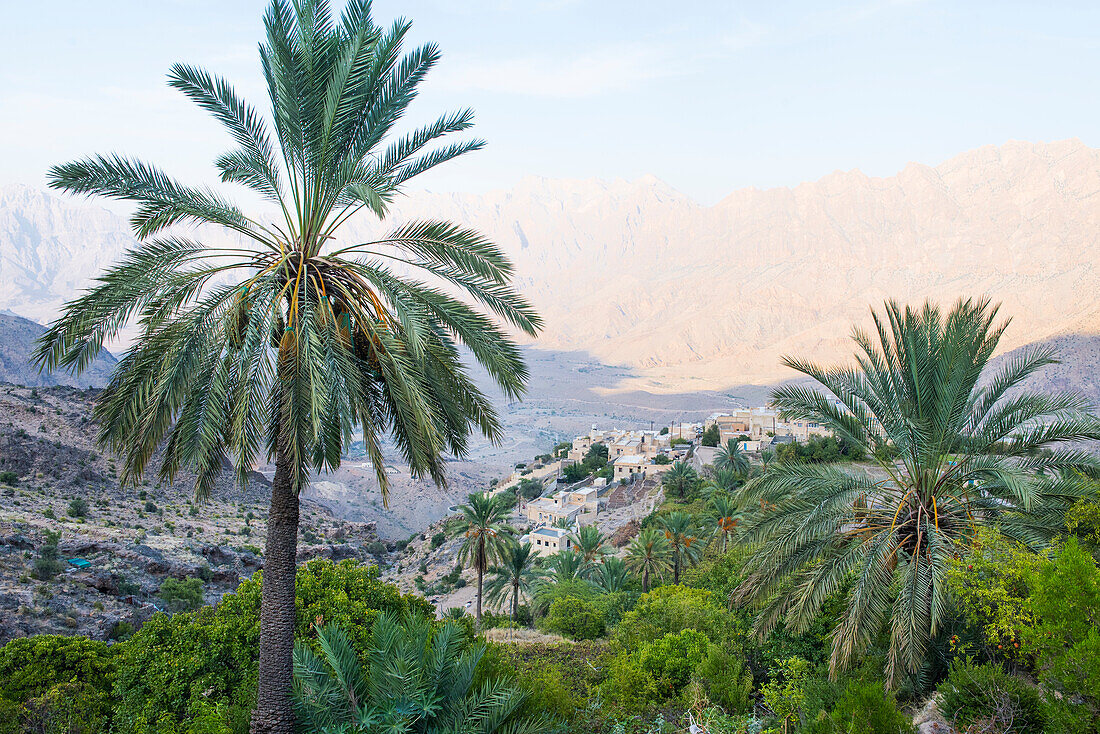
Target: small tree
182	596
486	536
711	436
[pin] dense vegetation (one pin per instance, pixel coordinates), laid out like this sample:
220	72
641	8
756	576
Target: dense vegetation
802	594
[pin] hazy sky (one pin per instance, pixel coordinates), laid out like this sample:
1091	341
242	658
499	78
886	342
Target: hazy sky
709	96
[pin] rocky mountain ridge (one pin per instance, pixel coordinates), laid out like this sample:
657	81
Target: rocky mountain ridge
688	297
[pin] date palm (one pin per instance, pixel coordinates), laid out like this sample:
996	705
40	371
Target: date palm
721	482
680	479
649	555
487	536
418	677
732	458
683	541
725	513
611	575
589	543
969	442
284	342
515	578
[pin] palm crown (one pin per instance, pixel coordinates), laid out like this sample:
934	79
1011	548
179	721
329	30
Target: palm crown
282	343
972	448
287	340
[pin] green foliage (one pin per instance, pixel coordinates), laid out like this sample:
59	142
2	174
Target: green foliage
529	489
78	507
574	473
9	478
562	680
1083	521
48	565
986	693
711	436
56	685
203	664
819	450
657	671
1066	600
990	583
785	693
865	707
438	539
416	677
681	481
182	596
919	384
575	618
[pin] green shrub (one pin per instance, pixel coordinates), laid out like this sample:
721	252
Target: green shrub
9	478
182	596
726	680
864	708
1066	601
986	693
78	508
573	617
201	666
438	539
56	685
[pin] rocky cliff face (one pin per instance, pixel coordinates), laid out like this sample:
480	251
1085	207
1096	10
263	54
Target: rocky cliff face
17	344
691	297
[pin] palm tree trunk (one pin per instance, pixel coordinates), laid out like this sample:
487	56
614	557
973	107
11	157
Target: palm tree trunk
676	569
645	581
274	712
515	602
480	576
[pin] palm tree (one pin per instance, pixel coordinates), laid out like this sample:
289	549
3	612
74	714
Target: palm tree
514	578
683	541
725	517
721	482
611	575
284	340
680	479
417	678
566	566
589	543
968	443
487	536
649	554
766	457
731	457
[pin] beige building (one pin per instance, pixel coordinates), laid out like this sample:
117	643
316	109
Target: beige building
579	506
548	541
761	423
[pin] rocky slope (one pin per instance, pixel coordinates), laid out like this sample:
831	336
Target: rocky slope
687	297
134	536
17	344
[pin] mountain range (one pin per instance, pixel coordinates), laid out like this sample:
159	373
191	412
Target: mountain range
687	297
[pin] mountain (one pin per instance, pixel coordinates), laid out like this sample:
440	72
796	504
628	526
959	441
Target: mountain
17	337
686	297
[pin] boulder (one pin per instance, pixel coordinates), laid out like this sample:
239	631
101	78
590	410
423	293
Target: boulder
218	554
18	541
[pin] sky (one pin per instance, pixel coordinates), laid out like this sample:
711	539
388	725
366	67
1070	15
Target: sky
707	96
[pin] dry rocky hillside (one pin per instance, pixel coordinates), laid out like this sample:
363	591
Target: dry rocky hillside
53	479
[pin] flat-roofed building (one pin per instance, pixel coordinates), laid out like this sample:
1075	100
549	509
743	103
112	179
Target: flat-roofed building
548	541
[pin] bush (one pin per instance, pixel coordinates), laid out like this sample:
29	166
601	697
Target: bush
864	707
201	666
48	565
182	596
710	437
52	683
573	617
987	694
438	539
78	508
9	478
1066	601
